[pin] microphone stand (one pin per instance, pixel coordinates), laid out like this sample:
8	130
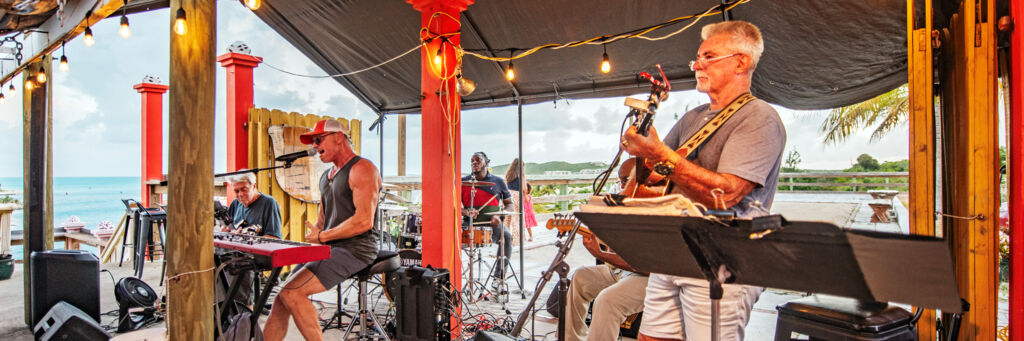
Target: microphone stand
558	265
287	164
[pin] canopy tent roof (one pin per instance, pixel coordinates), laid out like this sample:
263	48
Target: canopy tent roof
818	54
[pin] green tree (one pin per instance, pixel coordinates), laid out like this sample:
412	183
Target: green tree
792	161
866	163
885	112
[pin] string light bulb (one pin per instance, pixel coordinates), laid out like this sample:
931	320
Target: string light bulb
253	4
3	100
88	37
510	73
88	31
41	75
606	66
437	59
179	22
63	59
28	84
12	87
125	31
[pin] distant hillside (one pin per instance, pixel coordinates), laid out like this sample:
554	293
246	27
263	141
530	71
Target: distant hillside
540	168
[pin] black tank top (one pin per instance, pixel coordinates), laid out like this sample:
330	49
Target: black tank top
336	199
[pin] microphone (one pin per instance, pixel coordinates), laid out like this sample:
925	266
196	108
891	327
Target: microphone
290	157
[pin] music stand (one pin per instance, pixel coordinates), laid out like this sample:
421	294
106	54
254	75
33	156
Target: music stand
771	252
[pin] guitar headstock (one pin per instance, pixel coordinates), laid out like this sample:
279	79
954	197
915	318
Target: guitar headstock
562	222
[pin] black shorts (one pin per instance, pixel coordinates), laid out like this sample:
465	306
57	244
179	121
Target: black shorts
340	266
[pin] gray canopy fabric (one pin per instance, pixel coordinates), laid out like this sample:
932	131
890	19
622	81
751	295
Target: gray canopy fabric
818	54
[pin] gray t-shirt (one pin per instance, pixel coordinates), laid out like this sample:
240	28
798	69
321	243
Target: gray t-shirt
749	145
263	211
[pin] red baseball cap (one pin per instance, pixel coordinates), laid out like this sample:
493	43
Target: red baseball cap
324	127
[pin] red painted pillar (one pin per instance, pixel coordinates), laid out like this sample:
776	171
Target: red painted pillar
239	100
1015	168
441	111
152	134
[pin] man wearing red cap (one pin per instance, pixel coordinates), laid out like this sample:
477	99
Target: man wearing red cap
347	204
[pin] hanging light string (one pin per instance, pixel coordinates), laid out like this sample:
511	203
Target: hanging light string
606	39
427	37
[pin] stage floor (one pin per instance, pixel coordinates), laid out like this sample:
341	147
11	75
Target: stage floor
841	209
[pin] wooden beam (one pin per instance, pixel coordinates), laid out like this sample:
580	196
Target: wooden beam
401	145
971	161
190	215
922	136
48	36
38	157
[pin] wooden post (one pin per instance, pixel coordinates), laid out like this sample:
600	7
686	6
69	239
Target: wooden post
922	137
152	135
441	147
970	185
1015	168
38	157
190	187
401	145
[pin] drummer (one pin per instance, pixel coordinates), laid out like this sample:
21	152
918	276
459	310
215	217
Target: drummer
491	195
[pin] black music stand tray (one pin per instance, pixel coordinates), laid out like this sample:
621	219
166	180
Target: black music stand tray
771	252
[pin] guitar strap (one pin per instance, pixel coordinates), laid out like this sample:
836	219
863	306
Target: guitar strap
712	126
709	128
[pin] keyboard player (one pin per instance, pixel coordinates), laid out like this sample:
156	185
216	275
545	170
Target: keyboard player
347	204
253	209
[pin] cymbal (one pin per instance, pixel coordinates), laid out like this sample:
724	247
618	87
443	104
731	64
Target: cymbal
477	183
503	213
395	198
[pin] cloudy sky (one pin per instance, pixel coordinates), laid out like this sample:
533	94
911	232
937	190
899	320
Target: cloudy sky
97	130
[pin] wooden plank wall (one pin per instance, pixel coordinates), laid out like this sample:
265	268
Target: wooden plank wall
970	188
922	136
293	211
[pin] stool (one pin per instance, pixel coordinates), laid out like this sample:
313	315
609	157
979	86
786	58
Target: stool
839	318
148	217
386	261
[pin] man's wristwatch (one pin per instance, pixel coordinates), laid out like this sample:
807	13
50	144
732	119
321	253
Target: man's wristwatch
664	167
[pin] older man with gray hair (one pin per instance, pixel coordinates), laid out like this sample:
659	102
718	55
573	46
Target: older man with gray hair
735	169
251	207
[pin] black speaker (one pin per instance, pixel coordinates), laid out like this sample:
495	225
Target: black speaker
67	323
72	276
131	292
422	303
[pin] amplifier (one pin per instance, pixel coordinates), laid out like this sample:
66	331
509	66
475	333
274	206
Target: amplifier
422	303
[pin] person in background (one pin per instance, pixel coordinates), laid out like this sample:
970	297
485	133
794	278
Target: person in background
515	184
478	202
530	217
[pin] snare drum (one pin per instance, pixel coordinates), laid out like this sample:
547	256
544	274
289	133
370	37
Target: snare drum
477	237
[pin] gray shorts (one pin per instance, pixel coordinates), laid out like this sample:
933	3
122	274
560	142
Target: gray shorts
340	266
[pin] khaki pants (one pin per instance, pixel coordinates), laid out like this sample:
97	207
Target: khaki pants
615	297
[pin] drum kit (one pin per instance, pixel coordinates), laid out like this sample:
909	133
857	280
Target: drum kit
478	234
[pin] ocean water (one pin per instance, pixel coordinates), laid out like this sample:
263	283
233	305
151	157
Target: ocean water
92	199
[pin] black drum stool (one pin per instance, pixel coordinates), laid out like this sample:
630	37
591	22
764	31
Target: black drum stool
838	318
386	261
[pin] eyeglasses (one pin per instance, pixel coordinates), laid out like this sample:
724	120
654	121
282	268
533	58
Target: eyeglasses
704	62
319	139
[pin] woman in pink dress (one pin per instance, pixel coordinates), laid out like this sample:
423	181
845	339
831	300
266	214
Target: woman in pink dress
530	218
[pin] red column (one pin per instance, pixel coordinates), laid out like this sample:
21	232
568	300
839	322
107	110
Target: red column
1015	168
441	111
152	134
239	101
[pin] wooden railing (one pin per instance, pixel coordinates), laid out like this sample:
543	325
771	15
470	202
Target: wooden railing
857	182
